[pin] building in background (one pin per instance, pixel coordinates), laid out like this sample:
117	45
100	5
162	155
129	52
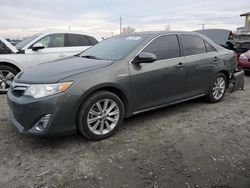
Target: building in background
128	30
245	29
240	30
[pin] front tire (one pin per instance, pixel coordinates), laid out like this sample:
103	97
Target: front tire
100	115
217	89
7	75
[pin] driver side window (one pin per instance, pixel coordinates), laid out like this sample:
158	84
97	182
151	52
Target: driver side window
53	41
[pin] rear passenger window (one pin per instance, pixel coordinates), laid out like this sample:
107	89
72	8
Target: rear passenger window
193	45
164	47
209	47
92	40
77	40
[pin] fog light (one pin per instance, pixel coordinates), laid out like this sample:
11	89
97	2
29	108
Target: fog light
42	123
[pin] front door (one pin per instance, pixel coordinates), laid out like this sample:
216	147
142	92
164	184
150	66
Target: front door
160	82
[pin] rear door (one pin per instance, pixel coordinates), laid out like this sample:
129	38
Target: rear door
200	63
162	81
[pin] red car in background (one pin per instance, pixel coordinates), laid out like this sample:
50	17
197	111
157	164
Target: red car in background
244	61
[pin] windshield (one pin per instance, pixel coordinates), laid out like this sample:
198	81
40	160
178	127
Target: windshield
114	48
26	41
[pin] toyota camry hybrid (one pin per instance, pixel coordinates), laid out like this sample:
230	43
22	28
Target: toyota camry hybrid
94	91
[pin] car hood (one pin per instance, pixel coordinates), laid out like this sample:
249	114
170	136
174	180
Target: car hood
57	70
219	36
9	45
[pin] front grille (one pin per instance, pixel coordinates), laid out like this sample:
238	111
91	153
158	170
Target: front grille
18	89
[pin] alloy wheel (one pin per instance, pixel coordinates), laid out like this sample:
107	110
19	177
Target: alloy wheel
219	87
103	116
6	77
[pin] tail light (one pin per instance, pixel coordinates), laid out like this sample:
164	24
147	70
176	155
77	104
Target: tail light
243	57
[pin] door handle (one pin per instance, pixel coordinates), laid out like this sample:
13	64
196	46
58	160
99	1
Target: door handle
179	65
215	58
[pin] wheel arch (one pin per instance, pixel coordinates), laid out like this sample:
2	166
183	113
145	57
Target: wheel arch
113	88
10	65
226	73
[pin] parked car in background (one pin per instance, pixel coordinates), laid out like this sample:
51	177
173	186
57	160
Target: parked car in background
239	43
119	77
219	36
244	61
39	48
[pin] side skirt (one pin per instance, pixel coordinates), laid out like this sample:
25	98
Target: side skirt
168	104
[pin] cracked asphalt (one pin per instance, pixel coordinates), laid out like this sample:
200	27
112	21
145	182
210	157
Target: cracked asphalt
190	145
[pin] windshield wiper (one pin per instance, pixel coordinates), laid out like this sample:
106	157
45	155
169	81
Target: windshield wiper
90	57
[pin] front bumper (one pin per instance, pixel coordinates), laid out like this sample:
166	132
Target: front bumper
26	111
237	81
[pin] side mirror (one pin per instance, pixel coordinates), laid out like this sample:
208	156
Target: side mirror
145	57
37	46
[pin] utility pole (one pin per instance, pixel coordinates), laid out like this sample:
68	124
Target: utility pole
69	28
203	26
167	27
120	24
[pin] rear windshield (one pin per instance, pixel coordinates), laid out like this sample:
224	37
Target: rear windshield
115	48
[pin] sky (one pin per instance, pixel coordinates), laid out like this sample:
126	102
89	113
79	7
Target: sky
21	18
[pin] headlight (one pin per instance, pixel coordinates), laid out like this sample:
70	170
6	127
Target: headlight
44	90
243	57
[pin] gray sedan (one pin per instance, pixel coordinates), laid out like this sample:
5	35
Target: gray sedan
124	75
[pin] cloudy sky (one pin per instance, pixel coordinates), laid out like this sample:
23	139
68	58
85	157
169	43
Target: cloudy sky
21	18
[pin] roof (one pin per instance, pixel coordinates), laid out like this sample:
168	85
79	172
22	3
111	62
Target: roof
245	14
64	32
155	33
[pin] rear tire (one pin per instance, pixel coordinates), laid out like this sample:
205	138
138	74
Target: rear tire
100	115
7	75
217	89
